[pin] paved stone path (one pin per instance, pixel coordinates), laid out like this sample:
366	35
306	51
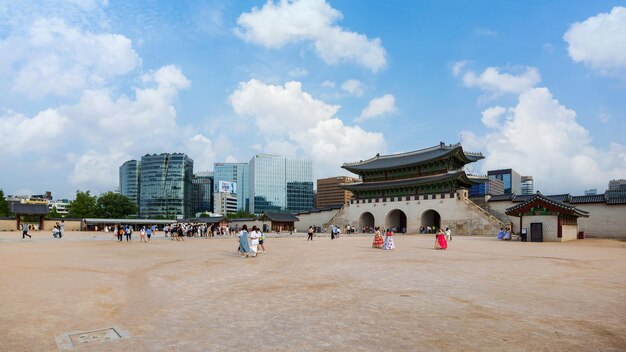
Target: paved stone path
342	295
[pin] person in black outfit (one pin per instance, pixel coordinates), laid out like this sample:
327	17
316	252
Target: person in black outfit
120	233
310	233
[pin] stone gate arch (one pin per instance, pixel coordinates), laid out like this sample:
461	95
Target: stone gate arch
431	218
366	220
396	219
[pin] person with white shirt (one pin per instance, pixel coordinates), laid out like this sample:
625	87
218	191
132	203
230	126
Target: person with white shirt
254	241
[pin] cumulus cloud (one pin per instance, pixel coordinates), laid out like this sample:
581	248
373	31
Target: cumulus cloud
353	87
379	107
100	169
278	24
497	84
54	58
20	134
541	137
290	119
328	84
600	41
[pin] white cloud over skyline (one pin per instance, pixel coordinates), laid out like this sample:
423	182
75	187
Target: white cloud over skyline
496	83
600	41
379	107
285	22
290	119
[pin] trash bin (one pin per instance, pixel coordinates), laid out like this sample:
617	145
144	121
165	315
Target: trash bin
581	235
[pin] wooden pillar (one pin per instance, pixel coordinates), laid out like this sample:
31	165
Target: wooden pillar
17	219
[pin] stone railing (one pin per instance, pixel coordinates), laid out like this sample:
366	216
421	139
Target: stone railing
494	220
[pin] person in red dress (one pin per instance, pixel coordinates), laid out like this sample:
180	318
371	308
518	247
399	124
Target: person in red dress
378	239
440	240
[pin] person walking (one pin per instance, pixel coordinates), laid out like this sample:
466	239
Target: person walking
440	240
448	235
254	241
142	235
310	233
261	239
120	233
388	243
25	228
128	232
149	234
378	239
244	246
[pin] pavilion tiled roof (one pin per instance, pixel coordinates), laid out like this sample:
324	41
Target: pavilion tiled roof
596	198
29	209
376	185
382	162
540	198
279	216
501	197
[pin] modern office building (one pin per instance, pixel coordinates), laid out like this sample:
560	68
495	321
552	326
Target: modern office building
166	186
202	194
591	192
491	186
528	186
329	193
280	184
237	173
225	203
129	180
512	180
617	189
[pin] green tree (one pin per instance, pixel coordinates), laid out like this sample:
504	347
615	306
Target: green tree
4	205
53	214
240	214
84	206
114	206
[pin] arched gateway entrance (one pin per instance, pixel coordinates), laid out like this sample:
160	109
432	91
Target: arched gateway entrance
431	218
396	219
366	220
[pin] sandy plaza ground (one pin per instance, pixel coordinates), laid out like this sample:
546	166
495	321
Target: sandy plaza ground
200	295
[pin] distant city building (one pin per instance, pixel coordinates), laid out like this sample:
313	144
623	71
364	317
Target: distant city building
512	180
527	185
591	192
166	186
617	189
280	184
237	173
202	194
329	193
225	203
62	206
129	180
491	186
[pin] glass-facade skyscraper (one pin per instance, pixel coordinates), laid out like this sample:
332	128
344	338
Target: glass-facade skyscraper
234	172
129	180
280	184
166	186
202	195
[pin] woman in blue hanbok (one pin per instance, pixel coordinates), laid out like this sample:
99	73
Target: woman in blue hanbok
244	245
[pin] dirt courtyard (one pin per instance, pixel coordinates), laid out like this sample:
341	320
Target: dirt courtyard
200	295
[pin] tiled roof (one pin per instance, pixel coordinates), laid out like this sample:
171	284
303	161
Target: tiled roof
279	216
538	197
596	198
30	209
359	186
381	162
616	200
501	197
560	197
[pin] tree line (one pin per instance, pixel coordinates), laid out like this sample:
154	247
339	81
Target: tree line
108	205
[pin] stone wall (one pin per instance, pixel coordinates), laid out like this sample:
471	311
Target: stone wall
69	225
569	232
315	219
8	224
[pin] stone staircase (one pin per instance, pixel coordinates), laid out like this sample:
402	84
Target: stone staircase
338	219
488	215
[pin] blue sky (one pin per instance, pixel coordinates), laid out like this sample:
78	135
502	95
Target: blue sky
85	85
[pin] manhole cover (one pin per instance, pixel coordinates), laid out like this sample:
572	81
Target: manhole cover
75	339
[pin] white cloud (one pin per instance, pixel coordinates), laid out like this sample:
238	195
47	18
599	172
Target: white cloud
458	67
379	107
294	123
600	41
20	134
498	84
99	169
353	87
298	72
53	58
328	84
540	137
275	25
201	150
278	109
492	115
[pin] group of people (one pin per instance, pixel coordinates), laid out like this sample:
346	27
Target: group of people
383	242
504	234
249	242
58	230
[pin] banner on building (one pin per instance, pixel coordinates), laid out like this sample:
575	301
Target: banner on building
227	187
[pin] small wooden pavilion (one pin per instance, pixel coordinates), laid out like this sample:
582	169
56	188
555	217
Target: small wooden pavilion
21	209
280	221
546	219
